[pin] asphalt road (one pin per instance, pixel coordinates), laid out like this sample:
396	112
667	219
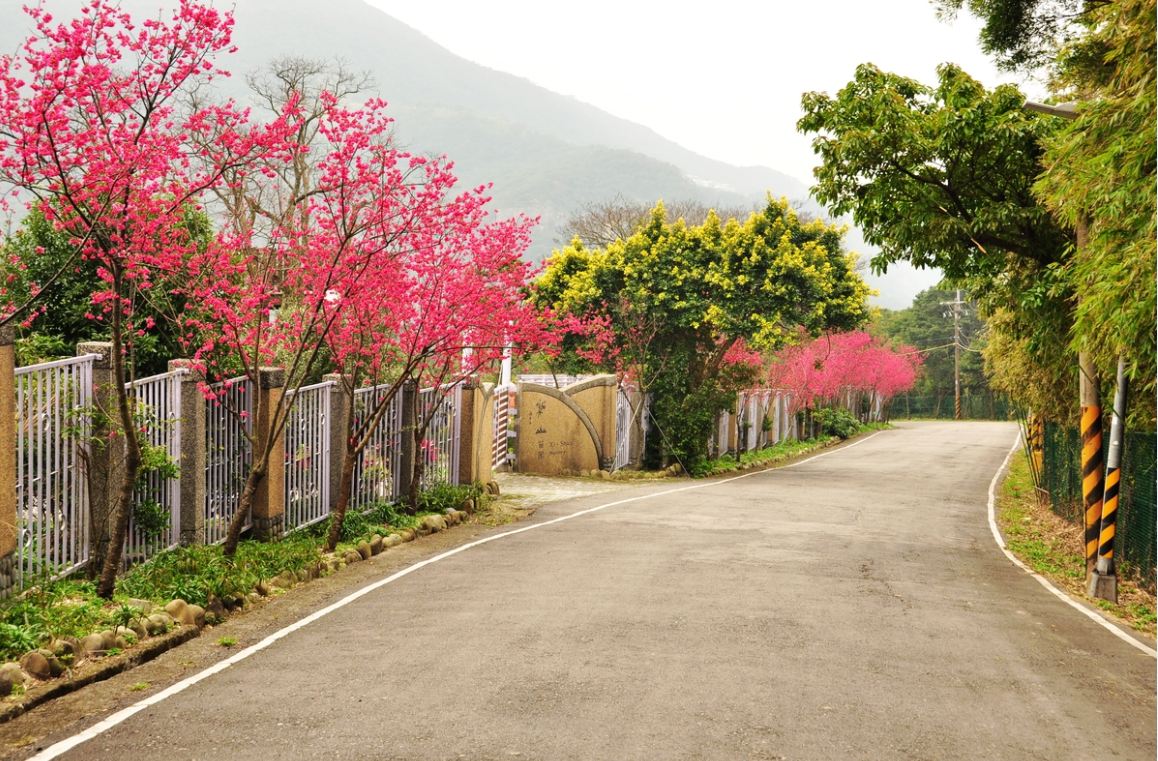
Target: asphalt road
855	606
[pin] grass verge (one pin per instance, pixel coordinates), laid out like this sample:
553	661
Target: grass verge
785	450
70	608
1052	546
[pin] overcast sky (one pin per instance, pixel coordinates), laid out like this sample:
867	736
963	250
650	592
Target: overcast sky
722	78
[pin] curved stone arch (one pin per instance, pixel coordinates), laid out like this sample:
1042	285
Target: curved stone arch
596	382
564	396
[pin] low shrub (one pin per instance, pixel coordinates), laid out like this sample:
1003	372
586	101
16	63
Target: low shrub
836	421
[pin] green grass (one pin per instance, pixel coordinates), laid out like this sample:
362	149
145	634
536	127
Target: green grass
226	641
1052	547
769	455
785	450
1028	537
52	609
68	608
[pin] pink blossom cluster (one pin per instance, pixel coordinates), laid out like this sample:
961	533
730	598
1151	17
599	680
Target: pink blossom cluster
820	370
384	264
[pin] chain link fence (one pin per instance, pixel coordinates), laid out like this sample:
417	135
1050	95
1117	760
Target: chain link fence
1137	512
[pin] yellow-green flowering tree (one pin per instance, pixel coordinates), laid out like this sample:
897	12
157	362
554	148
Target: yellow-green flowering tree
684	310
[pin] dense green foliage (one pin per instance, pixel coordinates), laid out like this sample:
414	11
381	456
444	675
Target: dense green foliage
673	305
198	572
1023	33
60	609
39	257
943	177
927	325
836	421
1101	166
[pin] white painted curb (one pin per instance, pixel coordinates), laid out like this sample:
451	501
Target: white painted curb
1090	613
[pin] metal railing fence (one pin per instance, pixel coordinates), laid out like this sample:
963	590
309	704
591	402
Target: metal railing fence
155	524
307	455
228	454
974	406
380	459
438	409
52	431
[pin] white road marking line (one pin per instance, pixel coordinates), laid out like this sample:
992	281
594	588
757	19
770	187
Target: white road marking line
1091	613
62	747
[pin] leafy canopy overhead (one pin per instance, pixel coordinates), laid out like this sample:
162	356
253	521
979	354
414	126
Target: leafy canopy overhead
1101	166
1024	33
939	176
943	177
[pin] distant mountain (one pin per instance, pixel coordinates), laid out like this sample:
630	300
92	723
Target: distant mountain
547	154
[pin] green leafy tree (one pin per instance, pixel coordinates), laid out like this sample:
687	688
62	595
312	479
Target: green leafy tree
927	325
41	259
1101	170
943	177
681	308
1024	34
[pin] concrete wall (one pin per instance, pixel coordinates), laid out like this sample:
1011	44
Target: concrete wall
566	430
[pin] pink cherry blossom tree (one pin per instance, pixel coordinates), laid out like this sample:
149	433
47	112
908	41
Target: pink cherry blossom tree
329	255
453	300
91	128
822	371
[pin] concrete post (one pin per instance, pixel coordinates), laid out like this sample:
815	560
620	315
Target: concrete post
269	500
468	429
405	475
339	413
9	529
193	453
608	433
106	463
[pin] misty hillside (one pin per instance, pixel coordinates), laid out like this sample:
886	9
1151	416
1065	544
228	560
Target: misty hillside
547	154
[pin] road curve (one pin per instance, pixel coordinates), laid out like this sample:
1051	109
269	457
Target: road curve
854	606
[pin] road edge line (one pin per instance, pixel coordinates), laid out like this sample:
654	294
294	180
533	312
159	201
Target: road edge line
63	746
1092	613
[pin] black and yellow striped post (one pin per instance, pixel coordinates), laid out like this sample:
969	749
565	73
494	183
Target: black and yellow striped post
1036	426
1092	467
1092	487
1104	579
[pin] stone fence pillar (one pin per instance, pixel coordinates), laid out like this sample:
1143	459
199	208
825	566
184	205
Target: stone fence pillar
106	460
339	416
269	501
192	518
9	530
476	434
405	475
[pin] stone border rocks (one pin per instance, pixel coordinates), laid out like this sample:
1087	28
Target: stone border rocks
68	664
85	673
